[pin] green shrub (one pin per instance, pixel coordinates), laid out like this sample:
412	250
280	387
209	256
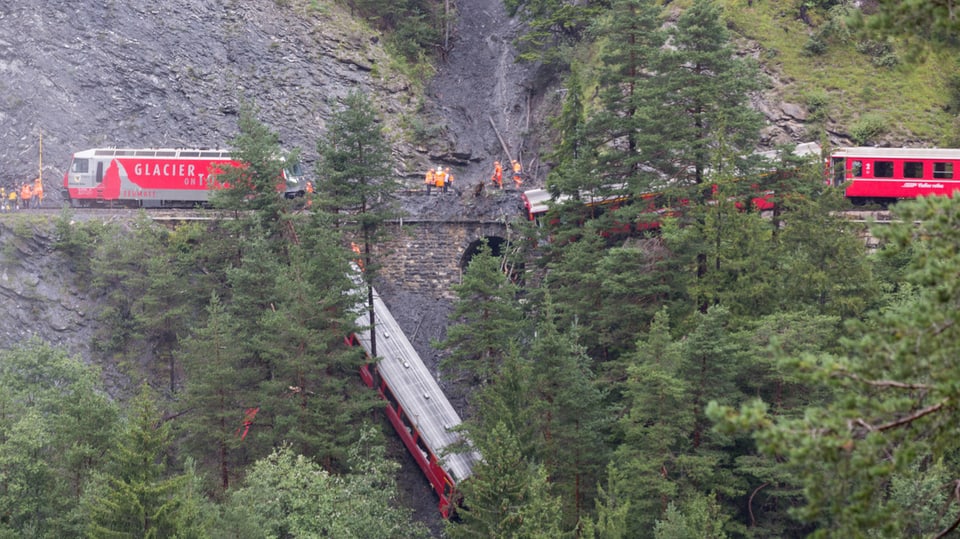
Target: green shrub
881	53
868	128
818	103
815	45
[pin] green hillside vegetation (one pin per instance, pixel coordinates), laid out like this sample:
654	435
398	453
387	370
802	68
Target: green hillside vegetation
850	80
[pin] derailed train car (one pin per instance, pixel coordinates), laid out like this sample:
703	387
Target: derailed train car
417	408
154	177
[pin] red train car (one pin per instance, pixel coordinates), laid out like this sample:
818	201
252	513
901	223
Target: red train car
417	408
153	177
884	175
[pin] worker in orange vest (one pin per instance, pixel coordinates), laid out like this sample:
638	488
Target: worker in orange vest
497	177
26	196
429	180
440	180
517	170
38	192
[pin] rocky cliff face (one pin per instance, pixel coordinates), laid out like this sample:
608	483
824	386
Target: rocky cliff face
174	73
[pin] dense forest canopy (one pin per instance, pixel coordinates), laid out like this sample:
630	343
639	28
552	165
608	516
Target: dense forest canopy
719	372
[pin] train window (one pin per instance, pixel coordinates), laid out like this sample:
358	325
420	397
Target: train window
856	169
189	154
166	153
209	154
145	153
913	169
883	169
124	152
81	166
943	170
105	153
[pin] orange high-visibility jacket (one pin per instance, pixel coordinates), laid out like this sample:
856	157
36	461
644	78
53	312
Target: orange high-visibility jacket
38	188
440	178
25	192
429	179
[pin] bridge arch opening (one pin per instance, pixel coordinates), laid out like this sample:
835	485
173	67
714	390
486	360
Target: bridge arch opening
499	247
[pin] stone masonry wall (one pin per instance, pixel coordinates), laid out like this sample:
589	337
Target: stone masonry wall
428	256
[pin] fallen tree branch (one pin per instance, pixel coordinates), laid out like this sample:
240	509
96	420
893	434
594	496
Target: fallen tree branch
502	143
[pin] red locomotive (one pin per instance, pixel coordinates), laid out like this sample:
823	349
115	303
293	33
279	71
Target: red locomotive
153	177
885	175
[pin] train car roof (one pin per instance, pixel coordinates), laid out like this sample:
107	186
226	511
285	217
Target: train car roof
536	200
181	153
415	389
898	153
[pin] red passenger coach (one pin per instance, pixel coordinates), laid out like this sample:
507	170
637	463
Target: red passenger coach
884	175
417	408
152	177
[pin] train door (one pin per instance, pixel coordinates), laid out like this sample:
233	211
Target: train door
839	171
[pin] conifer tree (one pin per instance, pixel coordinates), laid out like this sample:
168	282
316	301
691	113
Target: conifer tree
572	417
507	495
258	183
488	320
654	426
220	387
137	497
631	46
356	184
706	122
699	517
895	389
313	394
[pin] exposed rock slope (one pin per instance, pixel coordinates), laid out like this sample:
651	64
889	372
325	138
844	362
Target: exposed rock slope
174	73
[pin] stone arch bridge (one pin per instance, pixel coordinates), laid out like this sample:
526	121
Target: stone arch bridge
429	256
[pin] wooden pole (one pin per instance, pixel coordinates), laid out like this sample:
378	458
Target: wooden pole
502	143
446	26
40	171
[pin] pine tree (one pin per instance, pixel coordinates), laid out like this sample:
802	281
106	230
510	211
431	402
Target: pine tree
507	496
313	392
655	425
488	320
572	419
254	184
356	184
137	498
705	124
700	517
894	385
220	387
631	46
